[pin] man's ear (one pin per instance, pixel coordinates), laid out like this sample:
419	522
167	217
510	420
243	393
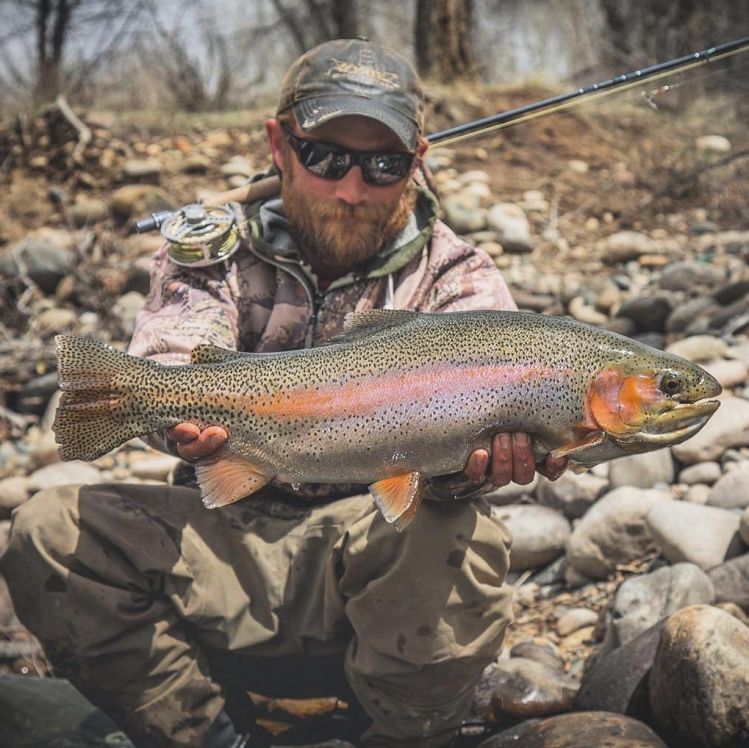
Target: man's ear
275	140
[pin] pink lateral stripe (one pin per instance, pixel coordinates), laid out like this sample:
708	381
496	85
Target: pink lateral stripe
372	393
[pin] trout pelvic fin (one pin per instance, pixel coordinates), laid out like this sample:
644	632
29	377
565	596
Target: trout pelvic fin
399	498
593	439
97	410
226	477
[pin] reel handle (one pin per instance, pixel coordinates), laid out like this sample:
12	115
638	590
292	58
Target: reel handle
247	193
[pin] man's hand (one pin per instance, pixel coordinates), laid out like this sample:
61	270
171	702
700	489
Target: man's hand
511	459
192	443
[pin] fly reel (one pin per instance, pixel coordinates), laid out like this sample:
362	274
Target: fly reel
201	235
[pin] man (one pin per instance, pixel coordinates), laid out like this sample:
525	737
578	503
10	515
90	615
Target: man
138	591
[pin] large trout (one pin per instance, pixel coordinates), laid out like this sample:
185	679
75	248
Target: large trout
397	398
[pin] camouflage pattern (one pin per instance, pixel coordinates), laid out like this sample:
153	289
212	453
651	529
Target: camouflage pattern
255	305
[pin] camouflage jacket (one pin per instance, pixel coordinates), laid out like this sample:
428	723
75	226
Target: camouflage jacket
265	299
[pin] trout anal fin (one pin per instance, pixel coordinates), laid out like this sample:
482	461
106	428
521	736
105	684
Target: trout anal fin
226	477
399	498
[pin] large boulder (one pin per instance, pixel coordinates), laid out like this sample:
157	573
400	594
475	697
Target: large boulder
614	531
699	682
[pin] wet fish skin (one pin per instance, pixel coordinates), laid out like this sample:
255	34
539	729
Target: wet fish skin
400	397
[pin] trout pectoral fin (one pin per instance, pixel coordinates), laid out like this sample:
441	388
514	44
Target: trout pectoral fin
577	468
226	478
399	498
593	439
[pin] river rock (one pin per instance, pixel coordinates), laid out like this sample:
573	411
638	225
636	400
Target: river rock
649	313
138	200
238	166
643	470
512	492
62	474
728	427
152	466
583	312
701	472
574	619
699	348
713	144
731	580
641	601
44	451
13	492
744	527
463	213
582	730
692	316
697	494
732	489
524	688
88	211
627	245
699	682
141	169
571	493
53	321
539	534
512	227
46	263
126	309
540	650
614	531
702	535
686	275
729	373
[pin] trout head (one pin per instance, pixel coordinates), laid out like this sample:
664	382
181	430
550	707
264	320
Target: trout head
645	408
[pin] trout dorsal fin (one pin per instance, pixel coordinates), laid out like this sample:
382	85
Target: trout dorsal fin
205	353
399	498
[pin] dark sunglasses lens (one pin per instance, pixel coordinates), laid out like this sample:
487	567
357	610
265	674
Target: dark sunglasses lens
386	168
323	161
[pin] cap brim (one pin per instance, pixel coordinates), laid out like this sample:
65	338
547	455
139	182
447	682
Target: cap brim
318	110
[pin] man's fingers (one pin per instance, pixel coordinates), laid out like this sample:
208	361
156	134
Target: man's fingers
207	442
502	459
183	432
523	463
475	469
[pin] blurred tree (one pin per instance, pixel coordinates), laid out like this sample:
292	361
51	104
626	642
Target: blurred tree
94	27
651	31
313	21
443	37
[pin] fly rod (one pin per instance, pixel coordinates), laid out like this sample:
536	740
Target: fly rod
595	90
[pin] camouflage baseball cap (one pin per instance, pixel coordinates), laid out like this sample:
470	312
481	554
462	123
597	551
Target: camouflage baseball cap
355	76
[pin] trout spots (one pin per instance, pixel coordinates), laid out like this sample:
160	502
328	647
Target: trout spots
401	643
424	630
455	559
55	583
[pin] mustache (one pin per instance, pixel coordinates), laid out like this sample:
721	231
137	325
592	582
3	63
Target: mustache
349	213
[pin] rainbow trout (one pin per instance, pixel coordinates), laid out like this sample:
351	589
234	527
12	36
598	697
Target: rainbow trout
397	398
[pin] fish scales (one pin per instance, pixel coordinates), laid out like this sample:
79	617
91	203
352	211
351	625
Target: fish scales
400	393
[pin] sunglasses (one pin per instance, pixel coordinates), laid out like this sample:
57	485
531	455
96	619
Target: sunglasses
330	161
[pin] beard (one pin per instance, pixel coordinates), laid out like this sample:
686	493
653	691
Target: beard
335	235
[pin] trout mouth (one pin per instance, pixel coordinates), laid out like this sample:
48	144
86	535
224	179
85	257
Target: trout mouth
675	425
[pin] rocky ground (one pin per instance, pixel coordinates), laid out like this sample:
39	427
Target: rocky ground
631	581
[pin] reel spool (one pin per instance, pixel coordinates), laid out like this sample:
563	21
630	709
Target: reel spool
201	235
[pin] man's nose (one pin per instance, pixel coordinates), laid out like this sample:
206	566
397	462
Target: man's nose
351	188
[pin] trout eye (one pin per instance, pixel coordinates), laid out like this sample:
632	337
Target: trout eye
670	384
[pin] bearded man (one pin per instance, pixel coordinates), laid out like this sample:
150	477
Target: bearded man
149	603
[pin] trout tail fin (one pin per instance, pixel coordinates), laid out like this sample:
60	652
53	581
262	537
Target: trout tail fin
97	409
